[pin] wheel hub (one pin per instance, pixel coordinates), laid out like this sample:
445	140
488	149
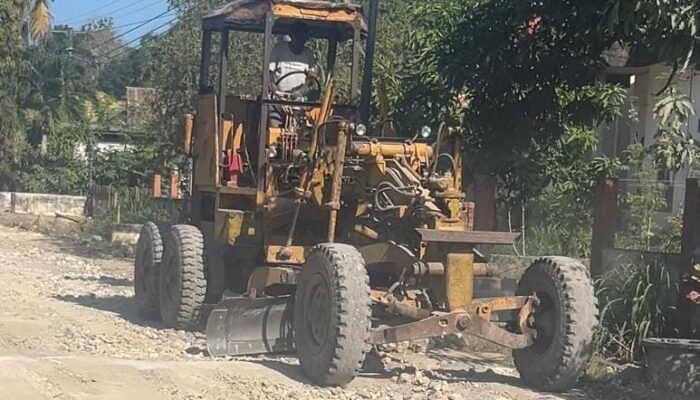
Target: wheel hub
318	312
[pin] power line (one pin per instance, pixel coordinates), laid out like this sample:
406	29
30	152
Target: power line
133	29
112	14
137	10
89	12
138	22
114	53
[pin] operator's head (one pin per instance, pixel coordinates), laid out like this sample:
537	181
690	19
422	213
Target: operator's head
299	34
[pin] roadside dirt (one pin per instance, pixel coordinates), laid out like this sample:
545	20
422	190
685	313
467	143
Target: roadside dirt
69	330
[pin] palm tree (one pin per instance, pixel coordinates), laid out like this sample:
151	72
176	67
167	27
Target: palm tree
39	19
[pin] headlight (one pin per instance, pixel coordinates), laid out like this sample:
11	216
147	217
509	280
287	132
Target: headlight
360	130
425	132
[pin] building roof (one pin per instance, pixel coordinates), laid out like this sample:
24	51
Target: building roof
324	19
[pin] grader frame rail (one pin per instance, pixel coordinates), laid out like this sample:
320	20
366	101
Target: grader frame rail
320	237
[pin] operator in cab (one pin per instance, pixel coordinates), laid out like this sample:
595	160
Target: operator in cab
290	62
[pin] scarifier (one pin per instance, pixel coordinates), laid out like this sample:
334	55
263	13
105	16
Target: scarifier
324	237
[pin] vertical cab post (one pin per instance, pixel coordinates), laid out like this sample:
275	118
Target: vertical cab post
223	74
332	55
354	74
205	64
264	111
366	96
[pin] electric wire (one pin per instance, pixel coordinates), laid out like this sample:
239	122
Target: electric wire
113	14
141	25
76	17
115	53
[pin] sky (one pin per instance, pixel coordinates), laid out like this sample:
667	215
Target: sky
128	15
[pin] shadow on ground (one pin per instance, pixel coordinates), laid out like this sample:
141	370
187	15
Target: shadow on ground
107	280
126	307
96	250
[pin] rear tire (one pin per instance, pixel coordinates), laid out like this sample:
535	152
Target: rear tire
182	286
564	320
149	253
332	314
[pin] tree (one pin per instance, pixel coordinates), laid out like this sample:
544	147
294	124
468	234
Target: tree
59	78
10	130
517	57
39	19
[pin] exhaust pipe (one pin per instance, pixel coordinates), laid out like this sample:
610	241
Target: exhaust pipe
366	95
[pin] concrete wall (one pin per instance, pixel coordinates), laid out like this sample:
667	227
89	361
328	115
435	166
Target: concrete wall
5	201
613	258
46	204
127	234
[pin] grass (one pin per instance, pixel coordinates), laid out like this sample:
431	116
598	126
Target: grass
638	301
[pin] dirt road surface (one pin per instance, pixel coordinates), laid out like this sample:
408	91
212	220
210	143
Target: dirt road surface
69	330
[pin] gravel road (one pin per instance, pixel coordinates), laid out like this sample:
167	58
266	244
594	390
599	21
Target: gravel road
69	330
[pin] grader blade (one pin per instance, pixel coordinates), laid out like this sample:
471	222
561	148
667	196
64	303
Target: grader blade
241	325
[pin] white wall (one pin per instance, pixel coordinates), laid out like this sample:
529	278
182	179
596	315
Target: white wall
648	81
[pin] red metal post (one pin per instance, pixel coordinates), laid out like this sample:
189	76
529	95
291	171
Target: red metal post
690	241
604	222
484	203
157	192
174	185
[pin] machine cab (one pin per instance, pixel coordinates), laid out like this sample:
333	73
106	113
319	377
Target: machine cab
238	136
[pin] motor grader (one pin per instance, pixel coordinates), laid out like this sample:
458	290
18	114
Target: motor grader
324	237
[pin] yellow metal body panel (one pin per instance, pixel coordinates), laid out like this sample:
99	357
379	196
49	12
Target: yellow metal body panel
206	171
459	280
230	226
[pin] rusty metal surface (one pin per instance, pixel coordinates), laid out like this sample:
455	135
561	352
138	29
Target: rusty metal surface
275	254
421	151
456	322
388	252
336	184
264	277
500	303
483	269
395	306
473	237
187	145
459	280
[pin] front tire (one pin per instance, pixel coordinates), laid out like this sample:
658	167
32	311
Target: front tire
149	254
332	314
564	320
182	283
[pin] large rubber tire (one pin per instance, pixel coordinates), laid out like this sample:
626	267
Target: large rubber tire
565	320
149	253
182	283
215	273
332	314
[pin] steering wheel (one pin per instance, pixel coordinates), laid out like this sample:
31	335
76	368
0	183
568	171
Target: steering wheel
288	74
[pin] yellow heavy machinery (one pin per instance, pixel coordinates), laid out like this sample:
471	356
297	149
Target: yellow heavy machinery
322	237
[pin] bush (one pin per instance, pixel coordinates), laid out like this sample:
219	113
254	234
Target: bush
133	206
638	301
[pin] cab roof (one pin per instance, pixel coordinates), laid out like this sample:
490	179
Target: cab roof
324	19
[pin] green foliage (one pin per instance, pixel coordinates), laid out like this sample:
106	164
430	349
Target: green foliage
517	60
674	146
409	89
135	205
62	169
10	135
644	198
638	302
